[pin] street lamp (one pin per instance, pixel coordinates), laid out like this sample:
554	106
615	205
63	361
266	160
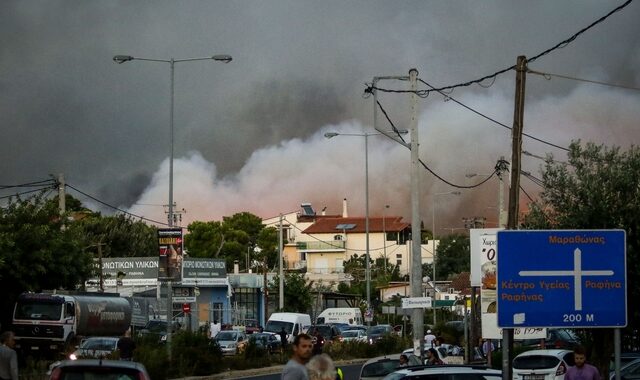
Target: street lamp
384	238
329	135
502	215
433	246
172	61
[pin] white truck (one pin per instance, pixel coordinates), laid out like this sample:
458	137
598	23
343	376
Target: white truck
348	315
293	324
51	322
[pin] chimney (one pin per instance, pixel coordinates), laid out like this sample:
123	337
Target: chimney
345	214
324	211
236	267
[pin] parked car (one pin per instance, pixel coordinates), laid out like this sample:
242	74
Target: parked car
231	342
375	333
330	333
556	338
95	347
379	367
542	364
354	336
628	370
266	341
158	328
625	358
446	372
97	369
251	326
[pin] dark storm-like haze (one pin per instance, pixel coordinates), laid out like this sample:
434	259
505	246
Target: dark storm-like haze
249	134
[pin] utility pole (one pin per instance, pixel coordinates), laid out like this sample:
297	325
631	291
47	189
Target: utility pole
62	199
417	316
501	167
514	191
281	270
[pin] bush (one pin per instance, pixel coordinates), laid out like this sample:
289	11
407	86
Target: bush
193	354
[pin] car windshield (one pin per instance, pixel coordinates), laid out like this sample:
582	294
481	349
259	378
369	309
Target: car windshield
226	335
38	310
324	330
276	326
535	362
156	326
380	368
378	330
350	334
98	344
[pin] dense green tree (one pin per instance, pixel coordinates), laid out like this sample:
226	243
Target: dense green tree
267	252
37	252
297	292
120	235
231	239
598	189
452	256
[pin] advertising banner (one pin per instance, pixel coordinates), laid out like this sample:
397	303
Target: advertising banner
484	271
204	271
170	254
131	271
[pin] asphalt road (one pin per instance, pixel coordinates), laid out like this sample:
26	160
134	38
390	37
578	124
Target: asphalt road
351	372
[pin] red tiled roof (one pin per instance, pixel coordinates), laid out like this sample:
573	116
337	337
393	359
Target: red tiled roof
328	225
462	283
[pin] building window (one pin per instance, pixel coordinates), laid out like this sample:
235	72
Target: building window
303	256
398	262
247	303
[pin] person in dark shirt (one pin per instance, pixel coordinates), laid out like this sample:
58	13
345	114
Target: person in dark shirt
283	338
126	346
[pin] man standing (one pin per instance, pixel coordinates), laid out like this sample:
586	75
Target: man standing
8	357
429	338
283	339
126	345
215	328
295	368
582	370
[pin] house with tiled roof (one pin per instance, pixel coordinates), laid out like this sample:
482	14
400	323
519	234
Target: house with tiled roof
320	244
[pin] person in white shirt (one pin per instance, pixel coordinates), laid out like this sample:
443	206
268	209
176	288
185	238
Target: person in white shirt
429	339
215	328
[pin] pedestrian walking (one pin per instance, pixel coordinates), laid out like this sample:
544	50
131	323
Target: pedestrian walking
581	370
429	338
295	368
433	358
283	339
8	357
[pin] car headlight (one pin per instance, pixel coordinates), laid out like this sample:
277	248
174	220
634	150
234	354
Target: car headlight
233	345
163	338
73	356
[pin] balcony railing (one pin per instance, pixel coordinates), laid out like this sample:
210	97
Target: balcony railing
321	245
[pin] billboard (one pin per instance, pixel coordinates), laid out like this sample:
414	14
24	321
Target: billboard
170	254
128	271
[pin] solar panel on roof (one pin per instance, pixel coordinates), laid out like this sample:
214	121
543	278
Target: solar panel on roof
345	226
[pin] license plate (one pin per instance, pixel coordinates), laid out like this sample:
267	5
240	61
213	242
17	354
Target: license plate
532	377
36	348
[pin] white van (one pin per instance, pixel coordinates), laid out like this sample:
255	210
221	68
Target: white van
348	315
293	324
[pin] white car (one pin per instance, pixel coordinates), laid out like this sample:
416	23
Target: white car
381	366
354	336
446	372
542	364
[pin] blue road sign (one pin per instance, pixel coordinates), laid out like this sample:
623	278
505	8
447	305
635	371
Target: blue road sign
562	278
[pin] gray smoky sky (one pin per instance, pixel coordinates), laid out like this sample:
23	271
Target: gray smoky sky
249	134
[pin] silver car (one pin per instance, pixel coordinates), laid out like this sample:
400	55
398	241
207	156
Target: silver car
231	342
378	368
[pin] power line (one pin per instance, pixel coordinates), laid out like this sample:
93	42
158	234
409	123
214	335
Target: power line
448	97
28	192
562	44
46	182
525	193
116	208
548	76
